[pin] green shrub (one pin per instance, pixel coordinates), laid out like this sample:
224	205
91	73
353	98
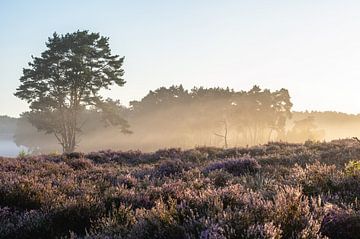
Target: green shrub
352	168
22	154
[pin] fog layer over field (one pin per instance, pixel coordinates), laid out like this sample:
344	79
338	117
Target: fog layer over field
176	117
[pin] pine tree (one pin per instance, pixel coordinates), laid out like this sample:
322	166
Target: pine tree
65	80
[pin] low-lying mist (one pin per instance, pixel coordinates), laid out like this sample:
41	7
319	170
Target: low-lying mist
175	117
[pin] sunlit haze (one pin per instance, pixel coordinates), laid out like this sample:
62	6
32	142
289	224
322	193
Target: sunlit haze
311	48
180	119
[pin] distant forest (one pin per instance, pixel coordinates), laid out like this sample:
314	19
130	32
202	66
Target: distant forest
176	117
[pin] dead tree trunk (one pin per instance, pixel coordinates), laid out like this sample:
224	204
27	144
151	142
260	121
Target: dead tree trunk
225	135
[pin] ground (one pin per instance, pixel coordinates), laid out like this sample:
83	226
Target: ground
278	190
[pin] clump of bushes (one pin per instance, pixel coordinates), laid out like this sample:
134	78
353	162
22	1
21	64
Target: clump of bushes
220	178
341	223
23	224
168	167
172	193
80	163
76	217
316	178
236	167
21	195
74	155
264	231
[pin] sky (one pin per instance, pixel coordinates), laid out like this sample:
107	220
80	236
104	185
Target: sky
310	47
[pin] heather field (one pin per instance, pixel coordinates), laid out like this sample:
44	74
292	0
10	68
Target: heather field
278	190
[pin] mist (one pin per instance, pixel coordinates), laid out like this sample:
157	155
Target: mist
175	117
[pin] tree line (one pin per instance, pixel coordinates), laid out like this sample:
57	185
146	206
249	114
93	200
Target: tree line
62	88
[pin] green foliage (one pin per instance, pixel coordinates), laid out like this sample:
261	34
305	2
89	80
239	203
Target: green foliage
22	153
259	115
66	79
352	168
172	117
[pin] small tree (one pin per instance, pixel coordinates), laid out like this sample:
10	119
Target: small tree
65	80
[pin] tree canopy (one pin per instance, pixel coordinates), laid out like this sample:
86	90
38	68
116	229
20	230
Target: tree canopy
249	117
66	79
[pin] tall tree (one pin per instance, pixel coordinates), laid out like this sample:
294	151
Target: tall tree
66	79
260	113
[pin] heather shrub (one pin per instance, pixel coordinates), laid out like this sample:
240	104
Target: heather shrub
143	172
316	178
74	155
236	167
340	223
198	193
264	231
23	224
22	195
171	153
159	222
126	180
262	182
295	214
220	178
214	231
117	223
129	197
120	157
76	217
211	152
195	155
168	168
99	157
257	151
348	188
243	209
80	163
338	154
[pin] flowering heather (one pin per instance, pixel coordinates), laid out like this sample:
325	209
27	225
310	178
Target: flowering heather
341	223
277	190
236	167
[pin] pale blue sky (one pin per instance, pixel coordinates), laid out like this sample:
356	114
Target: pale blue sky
311	47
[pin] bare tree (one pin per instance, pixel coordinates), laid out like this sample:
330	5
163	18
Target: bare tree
225	135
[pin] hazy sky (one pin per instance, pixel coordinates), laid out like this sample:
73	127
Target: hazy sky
311	47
